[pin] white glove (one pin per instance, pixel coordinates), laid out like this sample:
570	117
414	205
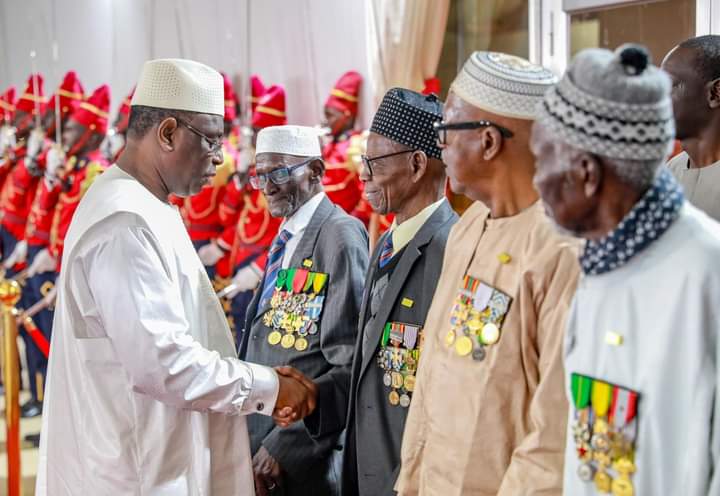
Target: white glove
112	144
54	160
7	138
35	142
44	262
210	254
246	279
17	256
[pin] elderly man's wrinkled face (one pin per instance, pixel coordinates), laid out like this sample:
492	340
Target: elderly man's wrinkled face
388	181
689	95
559	183
196	154
290	181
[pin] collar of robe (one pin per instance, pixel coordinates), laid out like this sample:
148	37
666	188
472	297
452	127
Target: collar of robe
651	216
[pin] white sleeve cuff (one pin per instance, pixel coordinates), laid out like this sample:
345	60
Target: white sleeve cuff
264	390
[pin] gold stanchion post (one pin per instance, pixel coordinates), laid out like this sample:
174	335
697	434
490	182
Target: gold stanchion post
9	297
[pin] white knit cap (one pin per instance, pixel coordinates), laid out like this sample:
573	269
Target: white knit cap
503	84
179	84
302	141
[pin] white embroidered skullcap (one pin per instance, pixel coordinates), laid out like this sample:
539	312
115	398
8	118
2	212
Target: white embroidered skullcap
179	84
302	141
503	84
616	105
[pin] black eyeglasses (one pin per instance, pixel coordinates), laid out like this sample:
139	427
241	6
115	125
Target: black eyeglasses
215	145
367	161
277	176
441	128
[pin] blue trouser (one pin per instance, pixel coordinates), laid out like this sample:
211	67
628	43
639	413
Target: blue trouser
8	242
209	269
36	288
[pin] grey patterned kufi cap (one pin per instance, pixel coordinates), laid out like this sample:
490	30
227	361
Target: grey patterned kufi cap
407	117
616	105
503	84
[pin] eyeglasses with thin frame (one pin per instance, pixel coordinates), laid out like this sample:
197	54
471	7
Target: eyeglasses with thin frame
367	161
215	145
441	129
277	176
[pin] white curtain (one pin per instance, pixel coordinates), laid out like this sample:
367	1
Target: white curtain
404	42
303	44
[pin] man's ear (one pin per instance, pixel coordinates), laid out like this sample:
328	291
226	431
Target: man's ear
713	94
317	170
492	142
418	165
587	170
166	134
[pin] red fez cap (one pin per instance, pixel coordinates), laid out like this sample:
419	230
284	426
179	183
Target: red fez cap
71	94
257	90
29	102
230	99
270	110
93	113
344	96
7	104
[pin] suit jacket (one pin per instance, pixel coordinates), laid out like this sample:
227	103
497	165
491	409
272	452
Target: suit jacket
374	426
337	245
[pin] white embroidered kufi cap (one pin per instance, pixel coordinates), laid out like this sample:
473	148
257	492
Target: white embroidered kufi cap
179	84
503	84
302	141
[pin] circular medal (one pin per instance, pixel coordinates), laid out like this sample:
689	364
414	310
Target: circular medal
622	487
312	330
387	379
301	344
600	442
287	342
404	401
490	334
394	398
479	354
450	338
474	325
463	346
586	472
397	380
274	338
410	382
603	482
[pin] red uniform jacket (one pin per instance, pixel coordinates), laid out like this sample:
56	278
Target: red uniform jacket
341	180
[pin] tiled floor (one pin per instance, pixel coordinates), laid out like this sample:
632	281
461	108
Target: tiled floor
29	454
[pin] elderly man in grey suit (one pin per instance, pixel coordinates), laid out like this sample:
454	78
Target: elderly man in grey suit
305	311
403	174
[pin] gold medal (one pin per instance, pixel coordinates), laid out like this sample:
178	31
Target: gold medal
287	342
450	338
394	398
464	346
474	325
274	338
622	486
603	481
490	334
410	383
397	380
301	344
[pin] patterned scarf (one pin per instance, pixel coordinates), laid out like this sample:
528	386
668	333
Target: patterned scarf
644	224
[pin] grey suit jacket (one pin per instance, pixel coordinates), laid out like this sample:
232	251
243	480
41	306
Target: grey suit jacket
337	244
374	427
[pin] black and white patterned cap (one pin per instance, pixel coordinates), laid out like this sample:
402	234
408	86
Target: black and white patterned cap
616	105
407	117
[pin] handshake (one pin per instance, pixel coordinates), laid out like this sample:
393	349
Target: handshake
297	396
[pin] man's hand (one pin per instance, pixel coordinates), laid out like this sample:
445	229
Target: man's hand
43	262
210	254
266	471
297	396
17	256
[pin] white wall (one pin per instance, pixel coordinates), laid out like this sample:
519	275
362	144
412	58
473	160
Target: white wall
303	44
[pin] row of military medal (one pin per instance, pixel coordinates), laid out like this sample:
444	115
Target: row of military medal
295	308
398	357
476	318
